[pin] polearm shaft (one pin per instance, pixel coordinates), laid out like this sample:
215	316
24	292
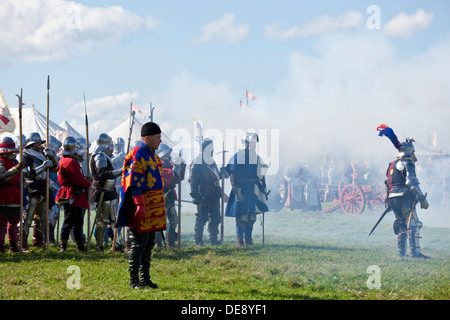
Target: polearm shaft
21	172
222	200
179	210
48	170
87	174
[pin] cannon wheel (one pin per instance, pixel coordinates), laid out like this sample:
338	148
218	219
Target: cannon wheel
352	200
375	200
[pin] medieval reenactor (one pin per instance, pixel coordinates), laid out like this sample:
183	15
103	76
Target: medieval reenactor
206	193
142	206
72	194
248	195
403	193
54	145
170	182
9	194
105	195
38	160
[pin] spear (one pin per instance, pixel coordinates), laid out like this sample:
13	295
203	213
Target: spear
21	171
87	173
48	170
222	200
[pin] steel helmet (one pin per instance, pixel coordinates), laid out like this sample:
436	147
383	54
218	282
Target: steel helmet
7	145
33	138
70	146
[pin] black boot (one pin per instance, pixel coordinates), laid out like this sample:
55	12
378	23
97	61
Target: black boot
80	245
136	248
13	246
63	246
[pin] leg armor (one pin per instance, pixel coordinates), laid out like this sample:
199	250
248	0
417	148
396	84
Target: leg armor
105	216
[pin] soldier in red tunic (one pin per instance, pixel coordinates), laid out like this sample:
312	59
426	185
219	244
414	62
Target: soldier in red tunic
9	193
72	194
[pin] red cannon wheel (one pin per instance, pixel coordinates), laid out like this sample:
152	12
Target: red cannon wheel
352	200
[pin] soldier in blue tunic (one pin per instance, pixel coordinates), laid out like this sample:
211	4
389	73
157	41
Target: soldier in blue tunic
248	196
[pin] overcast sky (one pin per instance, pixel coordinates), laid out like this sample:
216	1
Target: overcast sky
325	71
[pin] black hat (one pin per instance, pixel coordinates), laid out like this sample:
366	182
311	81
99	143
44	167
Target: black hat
149	129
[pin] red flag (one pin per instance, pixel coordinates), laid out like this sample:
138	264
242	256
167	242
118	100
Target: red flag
136	109
250	96
6	121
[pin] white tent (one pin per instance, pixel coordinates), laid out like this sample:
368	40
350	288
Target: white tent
71	130
34	121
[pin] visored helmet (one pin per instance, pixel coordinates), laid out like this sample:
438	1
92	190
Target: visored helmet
249	137
164	150
119	145
406	148
70	146
105	144
54	144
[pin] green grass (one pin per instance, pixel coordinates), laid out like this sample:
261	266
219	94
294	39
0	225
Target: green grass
305	256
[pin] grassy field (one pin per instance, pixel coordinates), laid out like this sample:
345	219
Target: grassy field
305	256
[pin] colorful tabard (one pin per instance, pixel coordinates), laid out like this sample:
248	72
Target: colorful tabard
142	169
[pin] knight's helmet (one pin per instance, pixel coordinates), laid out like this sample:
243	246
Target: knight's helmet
405	149
54	144
8	148
164	151
70	146
249	137
105	144
33	138
17	141
207	150
119	146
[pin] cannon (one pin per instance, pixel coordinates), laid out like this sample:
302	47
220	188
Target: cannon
352	199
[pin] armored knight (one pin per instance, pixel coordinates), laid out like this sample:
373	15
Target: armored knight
9	194
38	160
105	196
206	193
248	195
403	193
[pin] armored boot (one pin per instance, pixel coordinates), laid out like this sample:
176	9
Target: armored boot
414	244
401	244
159	240
172	238
37	239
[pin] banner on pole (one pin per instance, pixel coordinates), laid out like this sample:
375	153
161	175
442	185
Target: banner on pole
6	121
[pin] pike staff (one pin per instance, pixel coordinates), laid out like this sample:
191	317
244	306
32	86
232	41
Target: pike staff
179	210
48	170
87	172
222	199
21	171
